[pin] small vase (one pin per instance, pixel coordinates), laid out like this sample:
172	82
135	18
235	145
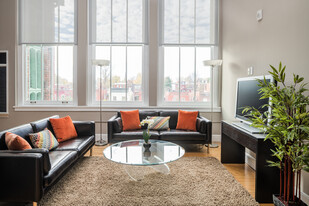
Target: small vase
147	145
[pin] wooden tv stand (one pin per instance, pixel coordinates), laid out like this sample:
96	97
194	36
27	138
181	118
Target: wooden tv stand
234	140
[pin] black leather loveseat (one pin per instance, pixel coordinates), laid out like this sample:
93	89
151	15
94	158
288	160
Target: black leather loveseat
26	175
201	136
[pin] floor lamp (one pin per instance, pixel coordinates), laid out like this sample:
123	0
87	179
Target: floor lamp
212	64
101	63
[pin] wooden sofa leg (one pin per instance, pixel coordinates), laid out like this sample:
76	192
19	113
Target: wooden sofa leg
91	151
208	147
34	203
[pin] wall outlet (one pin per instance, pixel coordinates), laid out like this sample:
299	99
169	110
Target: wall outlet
259	15
250	71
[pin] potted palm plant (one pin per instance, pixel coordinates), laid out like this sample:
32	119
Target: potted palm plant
287	126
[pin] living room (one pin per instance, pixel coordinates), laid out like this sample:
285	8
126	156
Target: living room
150	54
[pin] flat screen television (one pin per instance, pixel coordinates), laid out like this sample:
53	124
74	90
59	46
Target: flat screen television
247	94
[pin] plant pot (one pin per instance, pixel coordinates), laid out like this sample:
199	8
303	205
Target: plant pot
278	202
146	145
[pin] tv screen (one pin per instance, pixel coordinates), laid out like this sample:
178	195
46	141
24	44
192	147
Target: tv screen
248	95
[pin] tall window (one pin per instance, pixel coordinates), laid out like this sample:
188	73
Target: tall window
118	34
47	37
188	37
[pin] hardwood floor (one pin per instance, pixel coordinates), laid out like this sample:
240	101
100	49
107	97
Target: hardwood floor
244	174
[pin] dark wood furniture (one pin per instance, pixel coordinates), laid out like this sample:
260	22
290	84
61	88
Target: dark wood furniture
234	141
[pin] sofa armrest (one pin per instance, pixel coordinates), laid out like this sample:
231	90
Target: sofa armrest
204	126
22	177
84	128
43	152
114	126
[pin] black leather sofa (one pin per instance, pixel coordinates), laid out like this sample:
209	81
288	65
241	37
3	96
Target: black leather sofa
26	175
201	136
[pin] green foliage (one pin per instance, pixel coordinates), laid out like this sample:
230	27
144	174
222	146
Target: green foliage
146	135
288	127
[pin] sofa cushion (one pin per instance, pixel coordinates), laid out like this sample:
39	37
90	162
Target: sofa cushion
44	139
130	120
64	128
134	134
60	161
22	131
187	120
79	144
15	142
159	123
181	135
173	119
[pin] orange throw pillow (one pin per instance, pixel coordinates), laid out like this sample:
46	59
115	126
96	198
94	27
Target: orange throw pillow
130	120
187	120
15	142
64	128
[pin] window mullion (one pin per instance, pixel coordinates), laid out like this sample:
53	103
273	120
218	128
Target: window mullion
126	74
57	73
110	72
195	87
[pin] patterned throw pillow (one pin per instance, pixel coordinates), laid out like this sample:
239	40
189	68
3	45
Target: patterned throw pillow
44	139
159	123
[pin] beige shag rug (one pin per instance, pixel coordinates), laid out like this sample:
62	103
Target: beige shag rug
192	181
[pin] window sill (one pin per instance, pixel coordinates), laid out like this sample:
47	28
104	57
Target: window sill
106	108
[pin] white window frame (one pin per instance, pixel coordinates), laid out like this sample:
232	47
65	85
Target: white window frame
214	55
20	98
22	87
91	90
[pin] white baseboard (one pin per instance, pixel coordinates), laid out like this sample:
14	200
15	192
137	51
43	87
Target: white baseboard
104	137
305	198
216	138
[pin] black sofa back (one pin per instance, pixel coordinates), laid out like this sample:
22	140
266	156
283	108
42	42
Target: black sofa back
43	123
22	131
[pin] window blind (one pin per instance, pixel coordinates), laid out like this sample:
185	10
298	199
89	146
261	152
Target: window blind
47	21
118	21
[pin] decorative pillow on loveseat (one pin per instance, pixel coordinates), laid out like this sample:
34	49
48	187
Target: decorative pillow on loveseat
15	142
44	139
159	123
187	120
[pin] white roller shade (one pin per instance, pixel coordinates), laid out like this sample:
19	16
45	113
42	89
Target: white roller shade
47	21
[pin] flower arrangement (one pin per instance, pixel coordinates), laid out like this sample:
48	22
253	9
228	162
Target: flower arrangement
146	135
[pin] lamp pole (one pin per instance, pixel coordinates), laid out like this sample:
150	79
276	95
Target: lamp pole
100	63
212	64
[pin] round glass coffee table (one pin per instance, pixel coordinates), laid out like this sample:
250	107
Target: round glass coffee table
137	159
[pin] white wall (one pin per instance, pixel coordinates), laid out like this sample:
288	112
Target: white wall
282	35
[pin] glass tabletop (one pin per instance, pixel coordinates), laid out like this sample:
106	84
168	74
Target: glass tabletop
134	153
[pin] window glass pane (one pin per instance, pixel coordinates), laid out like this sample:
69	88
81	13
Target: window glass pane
186	21
102	29
119	21
102	52
187	74
44	21
203	75
171	74
135	21
49	77
50	80
65	73
135	78
204	22
171	21
34	73
118	64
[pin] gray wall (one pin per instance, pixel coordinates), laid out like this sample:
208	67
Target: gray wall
282	35
8	42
